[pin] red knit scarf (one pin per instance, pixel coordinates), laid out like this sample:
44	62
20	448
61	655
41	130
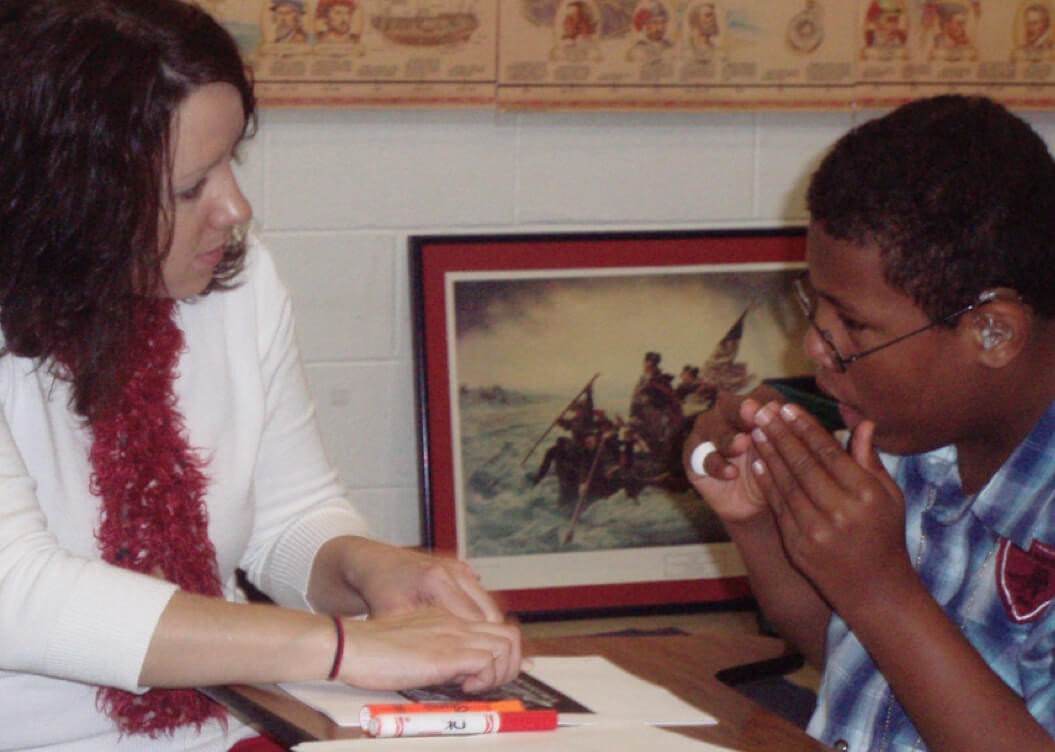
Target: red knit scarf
153	517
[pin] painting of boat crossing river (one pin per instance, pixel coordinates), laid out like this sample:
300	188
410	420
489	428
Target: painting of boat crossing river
571	375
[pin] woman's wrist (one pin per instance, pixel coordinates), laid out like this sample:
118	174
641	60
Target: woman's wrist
332	587
338	652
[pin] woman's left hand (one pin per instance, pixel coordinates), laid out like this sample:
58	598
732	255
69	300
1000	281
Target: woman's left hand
393	580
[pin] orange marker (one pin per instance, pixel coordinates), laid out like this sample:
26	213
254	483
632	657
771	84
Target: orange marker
473	706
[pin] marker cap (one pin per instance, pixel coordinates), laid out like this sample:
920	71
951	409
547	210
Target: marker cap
528	720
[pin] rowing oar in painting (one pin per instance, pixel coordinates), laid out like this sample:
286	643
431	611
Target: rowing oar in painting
582	491
589	385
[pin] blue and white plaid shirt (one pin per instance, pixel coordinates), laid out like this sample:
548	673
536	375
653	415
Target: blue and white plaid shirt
989	560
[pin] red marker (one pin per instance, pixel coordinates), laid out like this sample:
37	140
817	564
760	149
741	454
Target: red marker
452	724
472	706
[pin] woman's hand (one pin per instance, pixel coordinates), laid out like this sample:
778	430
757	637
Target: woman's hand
427	647
394	580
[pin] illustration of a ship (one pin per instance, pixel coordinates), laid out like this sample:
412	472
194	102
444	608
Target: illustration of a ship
427	30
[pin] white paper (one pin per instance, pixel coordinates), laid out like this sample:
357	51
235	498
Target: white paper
605	738
339	702
613	694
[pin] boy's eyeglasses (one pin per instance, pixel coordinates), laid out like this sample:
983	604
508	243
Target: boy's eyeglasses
807	299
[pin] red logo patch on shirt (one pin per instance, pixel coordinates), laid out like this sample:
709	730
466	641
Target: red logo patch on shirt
1025	579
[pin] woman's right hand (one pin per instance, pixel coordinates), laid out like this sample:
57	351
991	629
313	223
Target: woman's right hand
728	486
426	647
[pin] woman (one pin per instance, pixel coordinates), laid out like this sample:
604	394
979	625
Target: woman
157	429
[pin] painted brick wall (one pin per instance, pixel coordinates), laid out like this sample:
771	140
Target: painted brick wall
337	193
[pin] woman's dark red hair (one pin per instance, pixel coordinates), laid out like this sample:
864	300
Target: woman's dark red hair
88	93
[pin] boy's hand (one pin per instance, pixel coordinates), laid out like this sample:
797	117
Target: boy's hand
726	484
841	516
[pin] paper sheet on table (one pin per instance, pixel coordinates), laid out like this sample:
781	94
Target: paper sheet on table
613	738
338	702
613	694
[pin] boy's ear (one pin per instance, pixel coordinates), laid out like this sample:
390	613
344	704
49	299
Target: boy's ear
999	332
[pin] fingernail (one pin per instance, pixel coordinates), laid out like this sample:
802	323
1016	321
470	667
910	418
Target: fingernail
764	416
787	413
758	436
758	467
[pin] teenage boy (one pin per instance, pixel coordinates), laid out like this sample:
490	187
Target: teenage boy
917	566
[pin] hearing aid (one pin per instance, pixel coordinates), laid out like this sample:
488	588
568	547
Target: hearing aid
993	332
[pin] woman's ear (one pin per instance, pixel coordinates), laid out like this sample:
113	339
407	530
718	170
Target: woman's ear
999	331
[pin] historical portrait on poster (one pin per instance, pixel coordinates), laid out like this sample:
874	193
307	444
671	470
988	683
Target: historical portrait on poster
950	30
1033	35
575	32
885	31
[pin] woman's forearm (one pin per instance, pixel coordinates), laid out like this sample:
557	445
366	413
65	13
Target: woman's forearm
329	588
202	641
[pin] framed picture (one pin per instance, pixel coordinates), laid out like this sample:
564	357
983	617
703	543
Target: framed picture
558	378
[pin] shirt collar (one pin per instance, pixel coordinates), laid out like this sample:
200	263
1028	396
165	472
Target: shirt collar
1018	502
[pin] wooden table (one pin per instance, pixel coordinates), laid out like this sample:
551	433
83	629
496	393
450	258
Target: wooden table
686	665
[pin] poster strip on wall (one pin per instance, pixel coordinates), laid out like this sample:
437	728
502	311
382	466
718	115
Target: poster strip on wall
772	54
643	54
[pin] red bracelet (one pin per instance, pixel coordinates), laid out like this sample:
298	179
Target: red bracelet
338	655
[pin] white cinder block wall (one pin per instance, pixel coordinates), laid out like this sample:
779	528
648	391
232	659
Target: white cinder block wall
337	193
